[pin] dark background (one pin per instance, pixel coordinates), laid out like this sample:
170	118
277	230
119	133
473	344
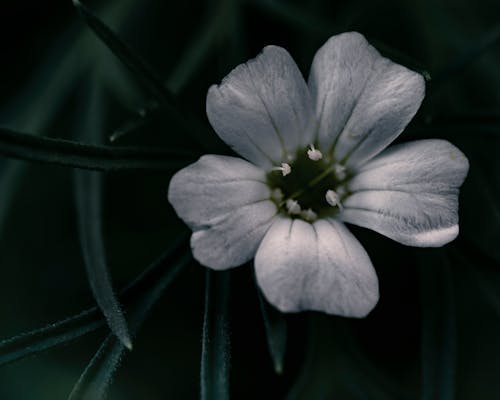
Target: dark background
434	333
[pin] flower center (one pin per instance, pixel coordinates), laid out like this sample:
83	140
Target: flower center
309	187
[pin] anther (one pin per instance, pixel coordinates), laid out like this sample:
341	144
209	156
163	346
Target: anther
333	199
309	215
314	154
293	207
285	169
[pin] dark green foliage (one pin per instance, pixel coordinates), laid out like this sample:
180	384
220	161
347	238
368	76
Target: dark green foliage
276	333
79	155
147	66
439	336
215	357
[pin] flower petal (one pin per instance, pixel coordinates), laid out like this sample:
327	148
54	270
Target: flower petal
214	186
363	101
234	239
262	109
225	200
409	193
319	267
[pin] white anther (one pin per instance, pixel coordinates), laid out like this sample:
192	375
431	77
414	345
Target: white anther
285	169
314	154
277	195
340	172
293	207
333	199
309	215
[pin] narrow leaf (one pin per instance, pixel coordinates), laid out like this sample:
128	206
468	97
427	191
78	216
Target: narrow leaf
40	340
79	155
190	61
97	376
137	65
69	329
438	326
57	75
276	333
146	76
88	196
215	338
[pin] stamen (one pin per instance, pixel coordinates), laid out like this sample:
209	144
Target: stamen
293	207
314	154
285	169
333	199
277	195
340	172
309	215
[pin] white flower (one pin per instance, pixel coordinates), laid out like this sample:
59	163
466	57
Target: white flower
327	137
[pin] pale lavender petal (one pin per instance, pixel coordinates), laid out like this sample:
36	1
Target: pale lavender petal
320	266
409	193
225	200
214	186
262	109
363	101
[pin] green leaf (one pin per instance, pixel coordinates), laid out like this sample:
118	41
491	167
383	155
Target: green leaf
438	326
276	333
88	196
56	334
215	352
137	65
69	329
147	77
56	77
95	380
190	61
79	155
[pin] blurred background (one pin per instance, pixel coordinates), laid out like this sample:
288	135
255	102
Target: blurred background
435	332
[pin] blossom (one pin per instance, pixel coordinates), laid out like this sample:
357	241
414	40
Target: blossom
316	157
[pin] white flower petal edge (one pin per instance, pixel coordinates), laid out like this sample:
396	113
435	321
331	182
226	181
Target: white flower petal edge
262	109
409	193
226	202
321	266
363	101
355	104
